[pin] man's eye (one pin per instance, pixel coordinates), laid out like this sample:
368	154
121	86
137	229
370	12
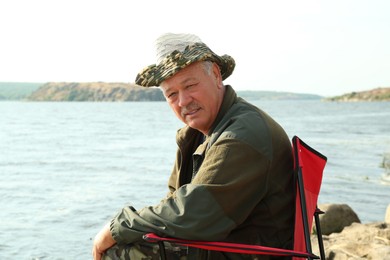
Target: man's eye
171	95
190	86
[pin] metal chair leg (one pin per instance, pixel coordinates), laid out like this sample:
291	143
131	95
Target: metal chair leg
162	250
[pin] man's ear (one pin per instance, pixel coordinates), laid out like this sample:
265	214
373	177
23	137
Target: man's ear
217	74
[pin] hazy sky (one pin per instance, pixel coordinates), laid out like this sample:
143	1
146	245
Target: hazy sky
328	47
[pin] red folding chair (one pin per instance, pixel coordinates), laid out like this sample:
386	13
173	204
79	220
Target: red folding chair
309	165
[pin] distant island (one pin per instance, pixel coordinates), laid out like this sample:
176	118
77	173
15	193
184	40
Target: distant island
95	91
274	95
377	94
123	92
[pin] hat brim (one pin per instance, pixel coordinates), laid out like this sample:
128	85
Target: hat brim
154	74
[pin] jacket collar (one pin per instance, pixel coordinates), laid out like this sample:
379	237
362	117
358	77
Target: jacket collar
229	99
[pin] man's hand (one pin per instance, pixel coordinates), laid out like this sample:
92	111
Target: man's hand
102	242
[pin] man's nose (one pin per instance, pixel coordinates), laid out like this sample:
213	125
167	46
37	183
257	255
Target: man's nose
184	98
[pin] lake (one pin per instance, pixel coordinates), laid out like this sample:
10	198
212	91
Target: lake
66	168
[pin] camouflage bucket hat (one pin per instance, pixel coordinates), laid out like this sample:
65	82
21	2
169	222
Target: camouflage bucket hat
177	51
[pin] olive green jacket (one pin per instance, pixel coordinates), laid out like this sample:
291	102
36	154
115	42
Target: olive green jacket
235	185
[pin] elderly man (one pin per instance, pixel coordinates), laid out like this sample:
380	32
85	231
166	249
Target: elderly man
232	179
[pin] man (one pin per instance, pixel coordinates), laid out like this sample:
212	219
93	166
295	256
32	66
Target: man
232	179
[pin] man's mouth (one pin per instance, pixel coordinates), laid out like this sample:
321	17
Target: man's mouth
190	111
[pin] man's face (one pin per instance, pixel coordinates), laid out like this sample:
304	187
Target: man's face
195	95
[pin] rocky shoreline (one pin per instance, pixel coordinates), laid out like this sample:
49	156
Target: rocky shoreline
346	238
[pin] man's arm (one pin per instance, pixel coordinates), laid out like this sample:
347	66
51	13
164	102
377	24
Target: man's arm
102	242
210	207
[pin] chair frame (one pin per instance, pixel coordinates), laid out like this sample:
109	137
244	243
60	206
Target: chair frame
297	143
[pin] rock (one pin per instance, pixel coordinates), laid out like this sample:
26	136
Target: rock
357	241
387	216
336	218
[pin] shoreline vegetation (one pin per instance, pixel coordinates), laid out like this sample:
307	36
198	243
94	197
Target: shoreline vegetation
124	92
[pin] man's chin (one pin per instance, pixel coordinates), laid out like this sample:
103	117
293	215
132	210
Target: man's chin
193	124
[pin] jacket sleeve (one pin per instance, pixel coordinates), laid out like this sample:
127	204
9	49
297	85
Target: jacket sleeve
173	178
230	182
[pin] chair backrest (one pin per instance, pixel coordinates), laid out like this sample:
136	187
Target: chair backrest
309	166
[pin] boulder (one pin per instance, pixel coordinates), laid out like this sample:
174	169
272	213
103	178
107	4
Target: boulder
336	218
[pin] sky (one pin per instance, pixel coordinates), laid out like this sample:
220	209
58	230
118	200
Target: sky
327	47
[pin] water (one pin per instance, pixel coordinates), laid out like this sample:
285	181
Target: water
67	168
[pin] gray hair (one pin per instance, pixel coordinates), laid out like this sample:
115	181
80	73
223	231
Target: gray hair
208	65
